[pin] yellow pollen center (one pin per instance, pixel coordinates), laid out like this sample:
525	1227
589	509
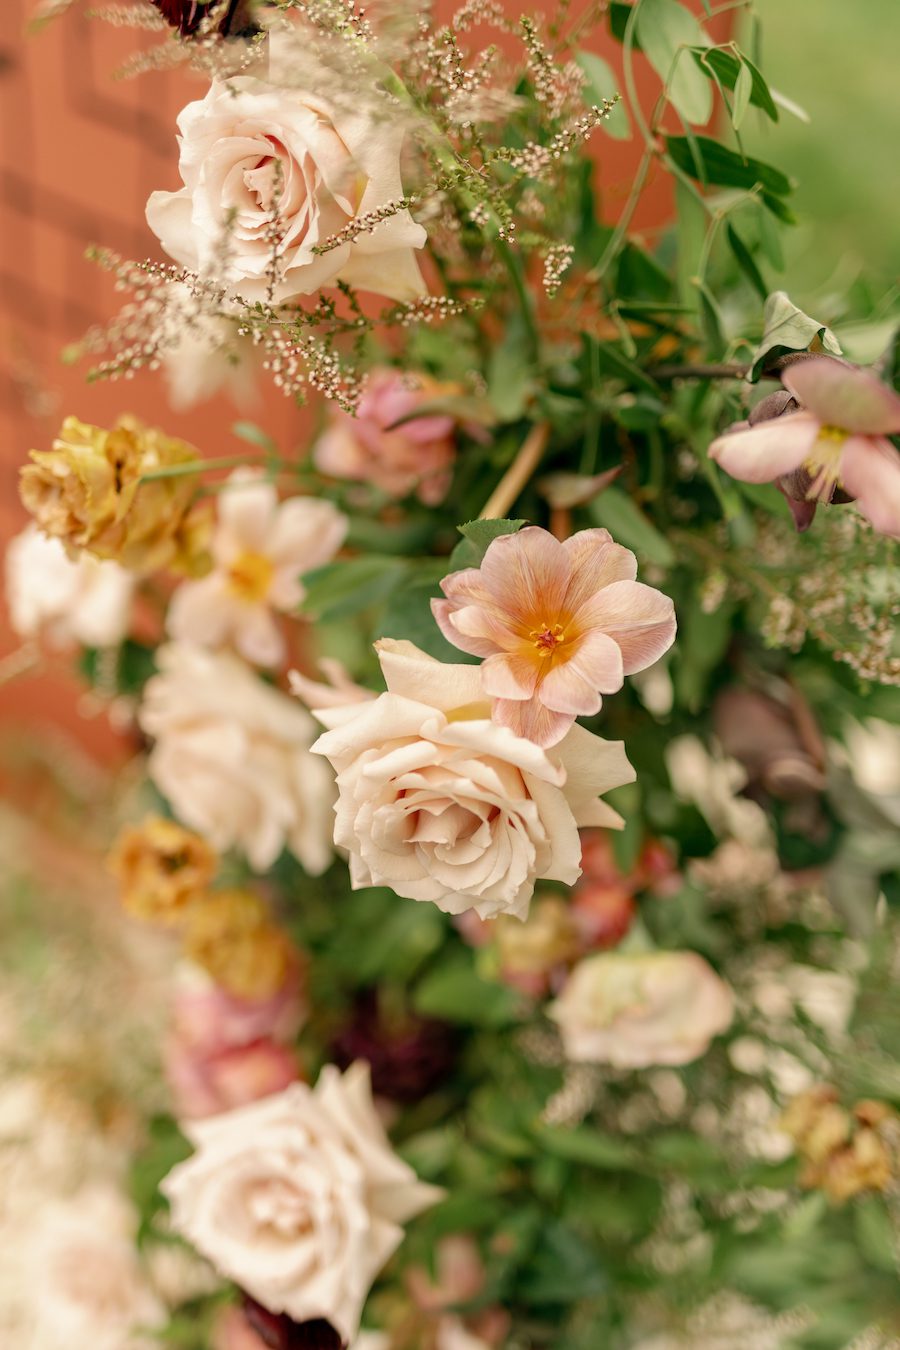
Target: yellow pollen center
547	637
823	464
250	576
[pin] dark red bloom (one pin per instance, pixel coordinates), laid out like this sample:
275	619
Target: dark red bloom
187	15
409	1056
279	1332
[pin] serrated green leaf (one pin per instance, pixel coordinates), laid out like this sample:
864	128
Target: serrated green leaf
787	329
618	513
667	32
601	83
478	535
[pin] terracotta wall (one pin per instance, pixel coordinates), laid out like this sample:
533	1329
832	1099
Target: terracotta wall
79	153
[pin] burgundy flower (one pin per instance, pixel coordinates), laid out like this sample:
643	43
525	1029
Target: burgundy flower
409	1056
279	1332
187	15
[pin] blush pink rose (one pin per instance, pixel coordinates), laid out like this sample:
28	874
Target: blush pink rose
416	456
205	1085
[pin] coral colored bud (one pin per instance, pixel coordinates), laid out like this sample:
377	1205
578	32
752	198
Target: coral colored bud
603	914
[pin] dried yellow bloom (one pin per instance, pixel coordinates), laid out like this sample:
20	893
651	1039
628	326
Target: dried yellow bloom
162	868
87	492
548	938
866	1165
231	935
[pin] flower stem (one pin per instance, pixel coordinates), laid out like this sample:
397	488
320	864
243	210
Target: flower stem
518	473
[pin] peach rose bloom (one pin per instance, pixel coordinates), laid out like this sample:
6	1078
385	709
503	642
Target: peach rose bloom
559	624
232	757
260	548
369	448
279	168
50	595
442	804
299	1198
634	1010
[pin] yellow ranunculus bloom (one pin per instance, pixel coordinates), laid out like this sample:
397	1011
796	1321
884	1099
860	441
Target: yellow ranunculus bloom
232	936
162	869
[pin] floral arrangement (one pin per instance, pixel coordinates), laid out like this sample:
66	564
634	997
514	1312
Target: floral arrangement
623	1076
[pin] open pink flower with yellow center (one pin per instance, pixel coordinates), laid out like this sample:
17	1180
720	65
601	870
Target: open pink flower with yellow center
559	624
261	547
838	440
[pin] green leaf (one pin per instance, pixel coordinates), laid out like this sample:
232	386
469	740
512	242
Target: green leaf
726	67
787	329
510	375
667	31
478	535
456	992
619	14
746	261
628	525
250	432
588	1146
743	91
875	1233
601	83
721	167
346	587
408	616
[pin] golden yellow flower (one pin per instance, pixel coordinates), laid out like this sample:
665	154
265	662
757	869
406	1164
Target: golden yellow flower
162	868
89	492
865	1165
231	935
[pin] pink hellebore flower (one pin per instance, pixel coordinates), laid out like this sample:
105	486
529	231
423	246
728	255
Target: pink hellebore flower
558	624
836	442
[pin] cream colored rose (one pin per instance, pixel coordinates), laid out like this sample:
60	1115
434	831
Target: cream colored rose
51	595
85	1286
262	161
232	756
635	1010
440	803
299	1197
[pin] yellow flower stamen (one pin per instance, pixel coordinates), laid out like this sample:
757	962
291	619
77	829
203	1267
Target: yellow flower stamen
250	577
547	638
824	463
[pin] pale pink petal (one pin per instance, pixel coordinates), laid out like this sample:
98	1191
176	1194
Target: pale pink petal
598	658
510	676
531	720
444	612
596	562
258	638
637	617
843	396
870	471
246	510
527	571
202	612
307	532
564	689
762	453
